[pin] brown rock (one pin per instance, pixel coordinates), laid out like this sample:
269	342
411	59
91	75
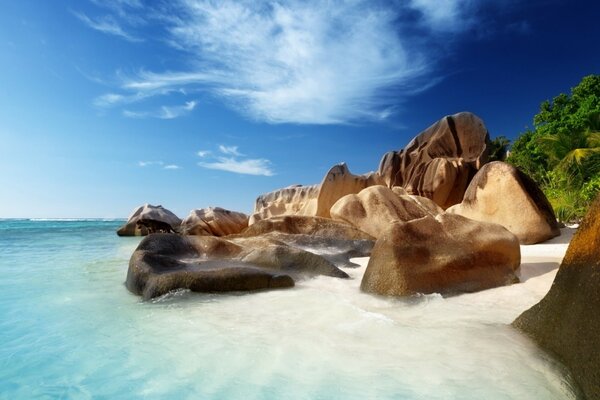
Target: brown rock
292	200
333	240
502	194
338	182
214	221
439	162
315	200
149	215
375	208
566	322
305	225
165	262
443	254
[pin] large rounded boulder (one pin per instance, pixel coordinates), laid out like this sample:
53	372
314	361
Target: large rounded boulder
143	218
214	221
502	194
566	322
445	254
440	161
375	208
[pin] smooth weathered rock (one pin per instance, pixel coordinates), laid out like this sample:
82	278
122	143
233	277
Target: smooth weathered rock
315	200
148	213
502	194
440	161
165	262
339	182
305	225
444	254
214	221
566	322
292	200
375	208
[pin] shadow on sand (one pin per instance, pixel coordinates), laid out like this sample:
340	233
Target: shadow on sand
534	269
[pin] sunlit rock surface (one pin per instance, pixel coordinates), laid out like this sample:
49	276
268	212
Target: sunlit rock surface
440	161
502	194
315	200
214	221
566	322
376	208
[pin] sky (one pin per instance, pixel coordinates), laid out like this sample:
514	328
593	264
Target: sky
109	104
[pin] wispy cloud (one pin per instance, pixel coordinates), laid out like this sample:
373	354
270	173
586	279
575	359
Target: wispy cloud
149	163
293	61
235	162
164	112
106	24
109	99
259	166
230	150
160	164
176	111
301	62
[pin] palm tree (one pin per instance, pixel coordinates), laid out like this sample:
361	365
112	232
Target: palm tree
498	148
575	153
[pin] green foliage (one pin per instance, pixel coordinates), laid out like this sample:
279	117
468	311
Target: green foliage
498	148
568	203
590	189
527	155
562	152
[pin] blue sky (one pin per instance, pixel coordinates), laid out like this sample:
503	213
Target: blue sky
105	105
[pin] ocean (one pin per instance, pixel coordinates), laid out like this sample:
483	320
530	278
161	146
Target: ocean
69	329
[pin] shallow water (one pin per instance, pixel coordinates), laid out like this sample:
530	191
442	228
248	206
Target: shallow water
69	329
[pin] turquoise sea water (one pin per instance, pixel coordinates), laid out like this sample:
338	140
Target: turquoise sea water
70	330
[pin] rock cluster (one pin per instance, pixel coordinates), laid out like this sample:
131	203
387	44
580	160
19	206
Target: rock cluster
567	321
396	215
212	221
315	200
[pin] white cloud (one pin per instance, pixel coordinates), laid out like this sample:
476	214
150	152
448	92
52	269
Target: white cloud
164	112
109	99
176	111
149	163
314	61
234	161
249	166
301	61
107	24
230	150
160	164
441	15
